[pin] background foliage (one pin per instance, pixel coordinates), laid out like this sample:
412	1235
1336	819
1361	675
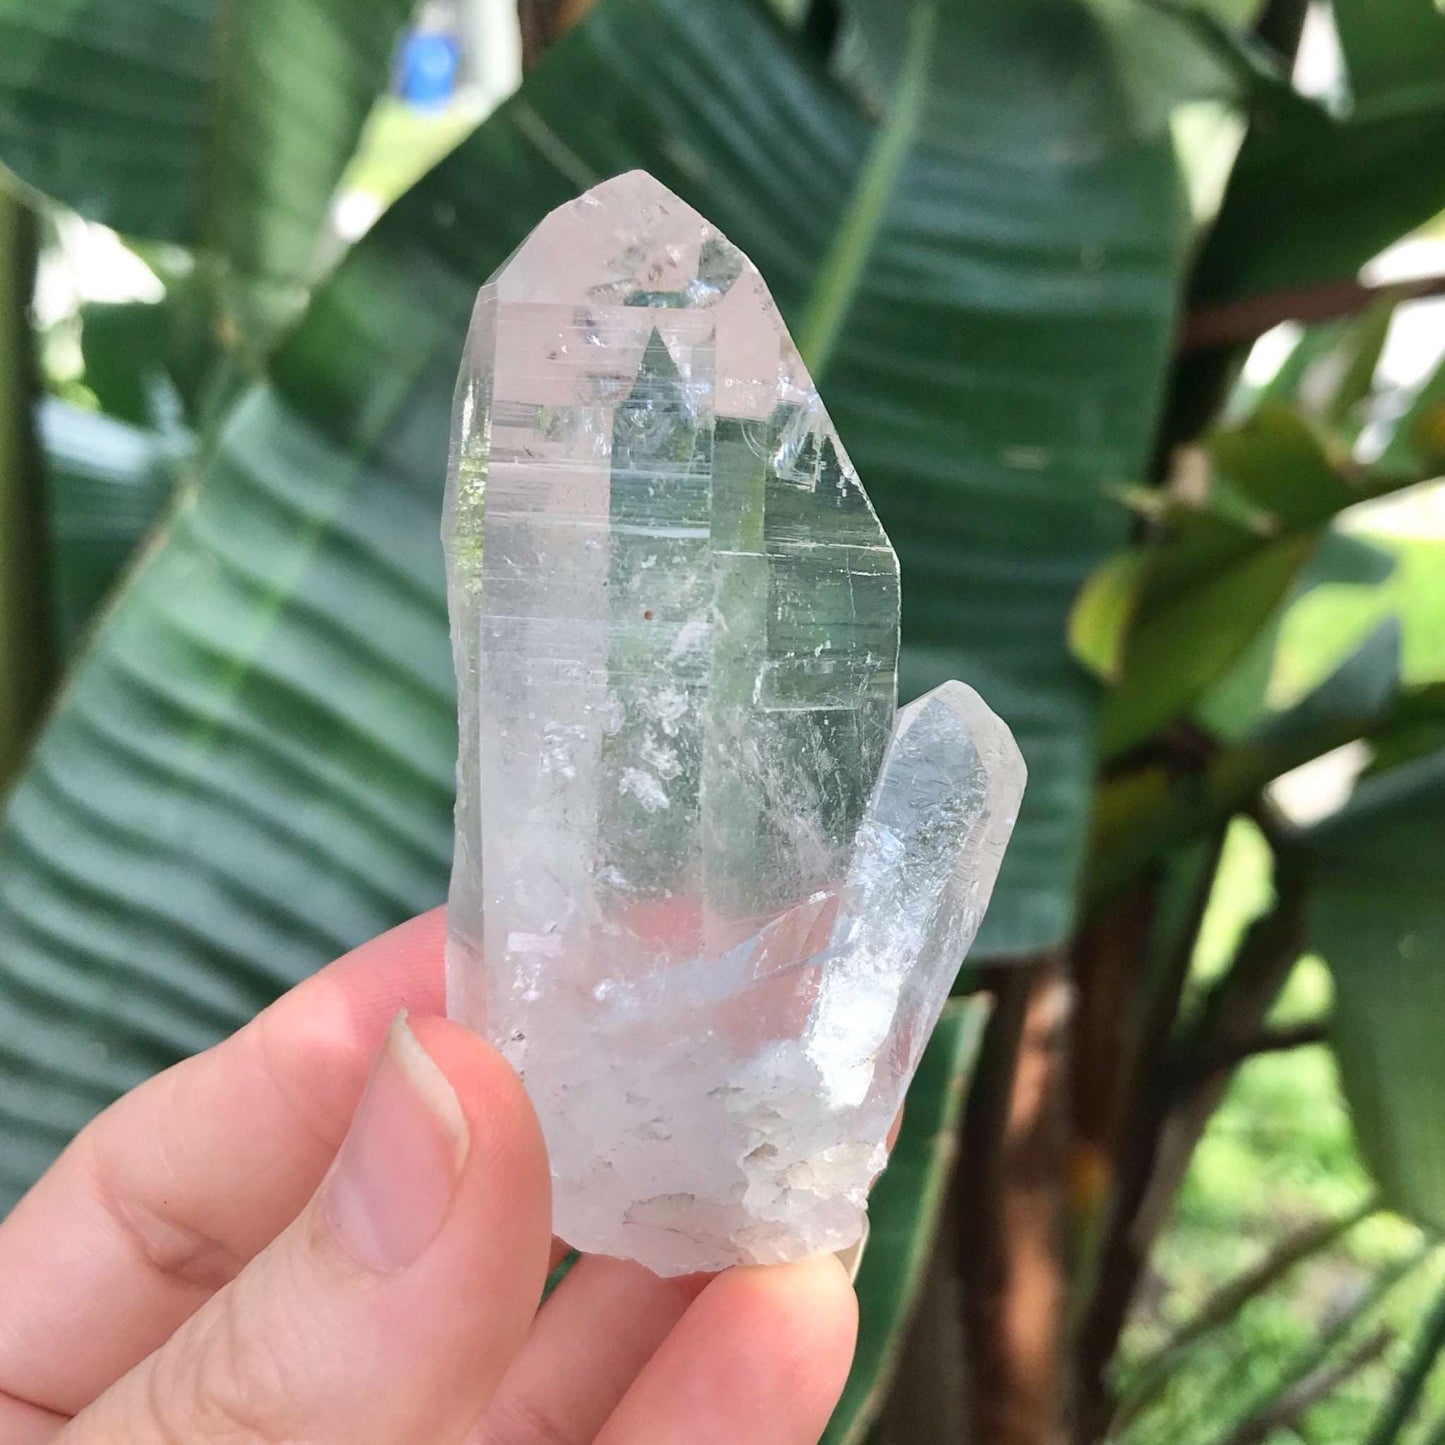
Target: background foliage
1026	246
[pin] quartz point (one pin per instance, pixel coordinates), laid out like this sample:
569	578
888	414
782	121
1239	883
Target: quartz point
709	892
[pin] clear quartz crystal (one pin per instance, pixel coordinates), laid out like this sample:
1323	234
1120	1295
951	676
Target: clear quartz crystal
708	895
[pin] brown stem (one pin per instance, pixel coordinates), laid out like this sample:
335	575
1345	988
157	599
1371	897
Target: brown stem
1144	1007
1010	1212
1191	1073
544	22
1161	1140
1233	323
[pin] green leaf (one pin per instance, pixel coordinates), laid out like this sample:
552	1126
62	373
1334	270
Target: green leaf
124	348
1417	440
293	83
1280	464
154	370
1238	703
1359	693
143	360
105	105
1164	53
1350	560
214	123
978	465
1142	814
1282	226
106	483
1193	637
1329	373
1417	728
1378	918
1104	610
1394	52
252	770
1174	53
903	1215
1217	581
1351	381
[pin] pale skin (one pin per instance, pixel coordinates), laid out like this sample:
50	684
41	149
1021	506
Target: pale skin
333	1228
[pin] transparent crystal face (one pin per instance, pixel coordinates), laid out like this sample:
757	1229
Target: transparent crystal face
685	905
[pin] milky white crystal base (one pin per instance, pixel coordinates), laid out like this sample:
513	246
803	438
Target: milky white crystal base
708	896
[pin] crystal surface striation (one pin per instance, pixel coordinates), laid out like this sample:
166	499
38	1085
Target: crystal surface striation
709	893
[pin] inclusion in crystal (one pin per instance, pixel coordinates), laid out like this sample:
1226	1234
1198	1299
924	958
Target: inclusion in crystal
708	894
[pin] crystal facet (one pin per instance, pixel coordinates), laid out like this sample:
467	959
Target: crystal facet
708	895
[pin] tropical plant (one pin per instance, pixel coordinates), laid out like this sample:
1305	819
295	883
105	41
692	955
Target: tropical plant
1025	246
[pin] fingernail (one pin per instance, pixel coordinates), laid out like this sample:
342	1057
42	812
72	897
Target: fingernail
392	1183
852	1258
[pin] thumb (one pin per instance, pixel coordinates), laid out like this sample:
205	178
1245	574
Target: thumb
388	1310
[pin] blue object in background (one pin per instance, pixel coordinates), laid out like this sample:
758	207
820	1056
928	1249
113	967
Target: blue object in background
427	66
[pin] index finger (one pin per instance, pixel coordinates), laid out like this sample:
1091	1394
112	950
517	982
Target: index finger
169	1192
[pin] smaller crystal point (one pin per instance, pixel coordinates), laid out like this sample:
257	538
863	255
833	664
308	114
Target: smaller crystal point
709	892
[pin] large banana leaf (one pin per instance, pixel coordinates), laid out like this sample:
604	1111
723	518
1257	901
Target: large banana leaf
252	770
106	482
1001	331
219	123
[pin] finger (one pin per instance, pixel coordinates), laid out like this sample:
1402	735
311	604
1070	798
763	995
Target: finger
25	1424
761	1355
599	1328
389	1310
167	1194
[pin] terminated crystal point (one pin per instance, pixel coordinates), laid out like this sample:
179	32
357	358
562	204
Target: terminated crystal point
708	896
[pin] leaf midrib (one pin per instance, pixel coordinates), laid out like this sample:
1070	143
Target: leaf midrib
841	274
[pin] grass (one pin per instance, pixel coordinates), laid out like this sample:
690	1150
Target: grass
1279	1153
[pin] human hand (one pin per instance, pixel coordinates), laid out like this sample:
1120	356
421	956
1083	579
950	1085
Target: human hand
218	1257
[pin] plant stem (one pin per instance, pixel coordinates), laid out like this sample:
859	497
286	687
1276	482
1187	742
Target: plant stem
25	660
1193	1072
1162	1141
543	23
1010	1205
1228	1301
1308	1392
1234	323
1312	1360
1401	1404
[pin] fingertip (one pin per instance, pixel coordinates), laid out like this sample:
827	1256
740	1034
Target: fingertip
401	968
805	1317
500	1119
762	1354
